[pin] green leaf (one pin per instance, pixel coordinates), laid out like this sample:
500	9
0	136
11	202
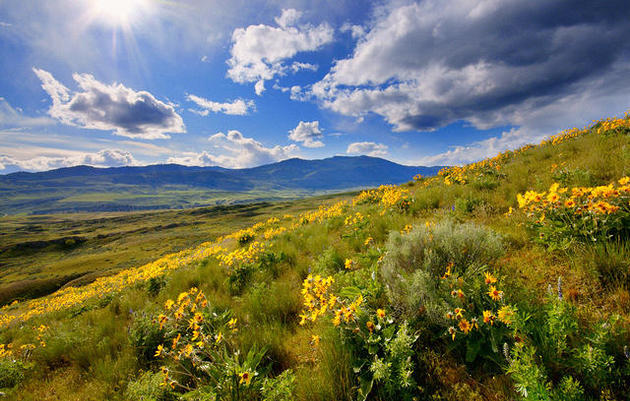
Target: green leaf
365	387
472	349
350	292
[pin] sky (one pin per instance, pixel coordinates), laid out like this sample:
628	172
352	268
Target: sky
244	83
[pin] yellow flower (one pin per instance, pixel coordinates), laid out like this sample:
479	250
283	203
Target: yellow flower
315	340
349	263
370	326
489	278
160	349
506	314
246	378
452	332
494	293
232	324
218	338
188	350
464	326
162	320
169	304
459	312
488	317
448	270
175	341
380	313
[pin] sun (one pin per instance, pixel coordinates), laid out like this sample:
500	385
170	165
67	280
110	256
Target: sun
117	12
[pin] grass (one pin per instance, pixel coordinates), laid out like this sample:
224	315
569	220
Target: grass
62	248
93	351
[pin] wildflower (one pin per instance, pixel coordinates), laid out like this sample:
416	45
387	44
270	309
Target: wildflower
464	326
232	324
348	264
188	350
160	349
246	378
488	317
505	314
218	338
368	241
452	332
450	315
494	293
169	304
370	326
315	340
162	320
380	313
489	278
175	341
459	312
448	271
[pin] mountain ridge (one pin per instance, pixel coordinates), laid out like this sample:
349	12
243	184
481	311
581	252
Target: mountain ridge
158	186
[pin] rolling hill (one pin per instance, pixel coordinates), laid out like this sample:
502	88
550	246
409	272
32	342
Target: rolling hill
86	189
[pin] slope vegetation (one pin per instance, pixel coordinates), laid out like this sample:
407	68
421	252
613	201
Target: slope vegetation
502	280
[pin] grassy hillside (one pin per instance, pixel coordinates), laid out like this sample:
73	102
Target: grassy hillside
506	279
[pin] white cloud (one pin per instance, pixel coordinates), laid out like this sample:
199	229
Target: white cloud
134	114
356	31
102	158
478	150
9	116
233	150
259	52
308	133
5	24
367	148
425	65
238	107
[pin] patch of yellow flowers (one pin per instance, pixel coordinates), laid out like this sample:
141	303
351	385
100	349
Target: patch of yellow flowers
605	199
75	296
387	196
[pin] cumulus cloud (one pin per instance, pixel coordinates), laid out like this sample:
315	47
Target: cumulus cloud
425	65
356	31
233	150
308	133
259	52
238	107
102	158
367	148
478	150
134	114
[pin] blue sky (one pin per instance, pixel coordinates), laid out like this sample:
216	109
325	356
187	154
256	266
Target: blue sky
246	82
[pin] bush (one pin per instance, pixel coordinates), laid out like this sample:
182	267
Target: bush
145	336
329	262
611	263
414	263
12	372
279	388
147	388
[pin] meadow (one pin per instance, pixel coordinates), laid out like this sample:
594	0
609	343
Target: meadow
504	279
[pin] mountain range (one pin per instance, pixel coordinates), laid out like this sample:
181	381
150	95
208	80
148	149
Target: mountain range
89	189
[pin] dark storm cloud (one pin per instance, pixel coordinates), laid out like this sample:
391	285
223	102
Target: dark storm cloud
425	65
